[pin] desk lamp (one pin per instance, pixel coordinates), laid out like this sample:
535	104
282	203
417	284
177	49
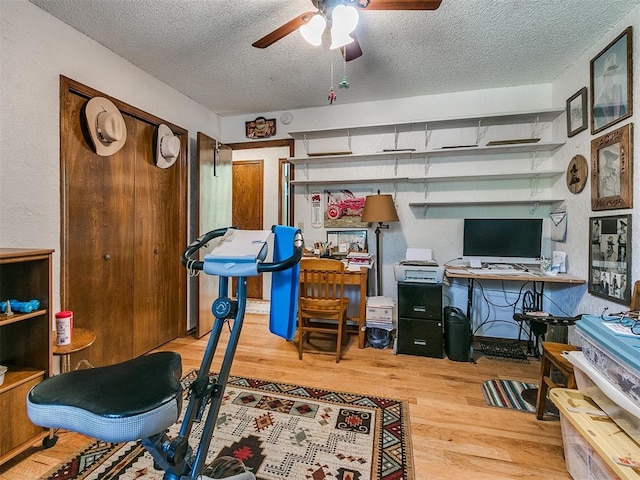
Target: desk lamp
379	208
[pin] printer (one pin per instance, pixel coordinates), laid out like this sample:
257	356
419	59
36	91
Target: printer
419	267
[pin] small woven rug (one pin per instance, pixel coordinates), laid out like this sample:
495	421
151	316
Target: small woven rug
280	431
507	394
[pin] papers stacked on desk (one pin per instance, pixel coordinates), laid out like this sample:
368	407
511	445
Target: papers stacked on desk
380	313
355	260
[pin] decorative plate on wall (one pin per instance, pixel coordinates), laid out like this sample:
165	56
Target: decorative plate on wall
577	174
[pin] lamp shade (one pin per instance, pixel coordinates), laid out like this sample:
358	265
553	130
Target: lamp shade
344	21
379	208
312	31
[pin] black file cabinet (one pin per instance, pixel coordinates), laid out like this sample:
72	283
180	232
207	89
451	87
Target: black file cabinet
420	325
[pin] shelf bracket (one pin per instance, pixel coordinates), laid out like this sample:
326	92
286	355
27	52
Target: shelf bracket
395	166
396	137
533	187
537	128
306	193
349	140
426	164
425	208
427	136
536	161
426	190
395	191
481	132
533	206
305	142
305	170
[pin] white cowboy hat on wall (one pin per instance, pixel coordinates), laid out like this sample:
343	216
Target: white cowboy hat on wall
106	126
167	148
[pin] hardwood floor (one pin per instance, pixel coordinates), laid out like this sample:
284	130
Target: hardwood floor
454	434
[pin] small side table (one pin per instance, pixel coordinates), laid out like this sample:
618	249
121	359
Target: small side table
552	357
80	339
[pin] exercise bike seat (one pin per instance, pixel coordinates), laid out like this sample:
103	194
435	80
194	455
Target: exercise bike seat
117	403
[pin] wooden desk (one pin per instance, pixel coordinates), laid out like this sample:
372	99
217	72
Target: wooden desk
359	278
537	280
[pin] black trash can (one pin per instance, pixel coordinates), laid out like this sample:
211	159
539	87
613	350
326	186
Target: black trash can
457	334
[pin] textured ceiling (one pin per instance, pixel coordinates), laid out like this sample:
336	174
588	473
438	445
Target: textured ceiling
203	47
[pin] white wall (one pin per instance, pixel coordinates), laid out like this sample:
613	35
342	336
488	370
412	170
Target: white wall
35	49
579	206
443	232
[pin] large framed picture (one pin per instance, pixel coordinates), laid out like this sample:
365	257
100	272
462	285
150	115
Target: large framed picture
612	83
612	170
577	112
610	257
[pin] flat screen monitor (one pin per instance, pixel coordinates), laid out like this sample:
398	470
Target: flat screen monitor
505	240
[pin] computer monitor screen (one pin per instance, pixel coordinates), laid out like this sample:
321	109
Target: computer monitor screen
507	240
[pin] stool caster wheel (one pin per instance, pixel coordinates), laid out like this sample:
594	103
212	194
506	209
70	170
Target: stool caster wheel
223	467
48	442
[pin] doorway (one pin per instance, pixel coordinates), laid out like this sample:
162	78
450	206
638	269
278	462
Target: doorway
246	210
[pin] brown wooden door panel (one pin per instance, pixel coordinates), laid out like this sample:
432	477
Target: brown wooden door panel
124	229
98	270
247	207
157	254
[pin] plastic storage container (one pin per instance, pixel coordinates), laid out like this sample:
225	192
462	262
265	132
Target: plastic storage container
615	356
593	443
593	384
457	334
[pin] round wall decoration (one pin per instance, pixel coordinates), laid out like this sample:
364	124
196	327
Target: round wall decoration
577	173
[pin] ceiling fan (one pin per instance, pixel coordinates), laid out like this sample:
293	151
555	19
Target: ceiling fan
325	12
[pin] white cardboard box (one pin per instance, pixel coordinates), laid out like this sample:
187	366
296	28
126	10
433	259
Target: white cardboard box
380	309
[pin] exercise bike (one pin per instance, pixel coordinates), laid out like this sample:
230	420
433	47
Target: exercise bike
142	398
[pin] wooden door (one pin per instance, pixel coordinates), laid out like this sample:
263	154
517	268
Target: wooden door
159	239
98	272
248	192
213	168
123	231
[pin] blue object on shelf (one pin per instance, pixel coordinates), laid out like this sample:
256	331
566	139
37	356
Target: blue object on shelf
20	307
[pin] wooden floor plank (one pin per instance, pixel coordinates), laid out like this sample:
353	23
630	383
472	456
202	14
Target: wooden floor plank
454	434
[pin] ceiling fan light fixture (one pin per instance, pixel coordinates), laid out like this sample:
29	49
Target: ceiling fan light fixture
344	20
312	31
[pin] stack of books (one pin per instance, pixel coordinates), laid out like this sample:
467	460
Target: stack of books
355	260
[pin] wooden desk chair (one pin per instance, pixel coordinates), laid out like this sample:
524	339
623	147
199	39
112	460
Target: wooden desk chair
322	307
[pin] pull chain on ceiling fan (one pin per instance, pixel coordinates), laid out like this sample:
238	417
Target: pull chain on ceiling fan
343	14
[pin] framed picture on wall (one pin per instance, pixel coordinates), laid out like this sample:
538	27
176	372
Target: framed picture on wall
577	112
346	241
610	257
612	170
612	83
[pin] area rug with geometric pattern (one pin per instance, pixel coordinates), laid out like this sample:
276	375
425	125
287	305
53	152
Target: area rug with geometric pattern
280	431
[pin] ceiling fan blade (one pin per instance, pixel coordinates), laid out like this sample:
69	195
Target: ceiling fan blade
352	50
283	30
399	4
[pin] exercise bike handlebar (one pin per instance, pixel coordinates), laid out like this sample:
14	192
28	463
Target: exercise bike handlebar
263	267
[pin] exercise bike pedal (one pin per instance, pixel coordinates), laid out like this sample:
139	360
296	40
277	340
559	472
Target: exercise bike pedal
226	468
